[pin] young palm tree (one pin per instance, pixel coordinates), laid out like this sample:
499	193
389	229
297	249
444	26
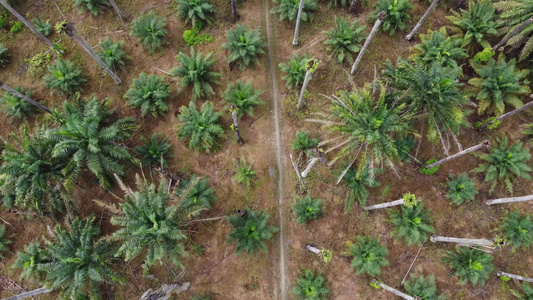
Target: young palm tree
149	92
196	12
499	83
87	137
150	29
244	45
423	287
504	164
243	96
245	173
517	229
64	75
369	256
358	185
200	126
295	69
306	209
413	223
515	14
304	143
4	241
15	106
250	231
93	6
396	14
30	260
154	151
470	265
344	39
4	56
196	193
461	189
196	70
438	46
111	53
288	9
310	286
43	27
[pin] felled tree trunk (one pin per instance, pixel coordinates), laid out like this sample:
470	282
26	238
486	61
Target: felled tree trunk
115	6
236	126
304	86
463	242
509	200
69	29
234	11
298	19
485	143
165	291
387	204
393	290
29	294
313	249
28	99
309	166
28	24
506	115
518	277
513	33
381	16
419	24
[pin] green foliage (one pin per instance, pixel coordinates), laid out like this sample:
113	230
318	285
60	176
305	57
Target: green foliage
413	223
243	96
514	14
483	56
505	164
245	173
150	29
58	27
470	265
65	76
244	45
87	138
423	287
359	184
310	286
200	127
461	189
196	12
517	229
438	46
250	231
38	62
192	38
338	3
288	9
405	146
16	26
111	53
295	69
527	291
4	241
369	256
149	92
154	151
3	56
93	6
196	70
431	171
196	192
344	39
15	106
306	209
43	27
499	84
30	260
475	24
396	15
4	18
304	143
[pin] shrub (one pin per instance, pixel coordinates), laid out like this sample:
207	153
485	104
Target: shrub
245	173
396	15
244	45
154	151
148	92
192	38
517	229
306	209
15	106
16	26
200	127
310	286
196	12
3	56
470	265
65	76
243	96
295	69
38	62
413	223
344	39
505	164
431	171
288	9
196	70
369	256
150	29
250	231
93	6
111	53
461	189
423	287
195	192
359	184
4	241
44	27
438	46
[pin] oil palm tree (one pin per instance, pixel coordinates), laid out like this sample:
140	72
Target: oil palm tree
244	46
369	256
516	14
250	231
470	265
344	39
196	70
413	223
200	127
438	46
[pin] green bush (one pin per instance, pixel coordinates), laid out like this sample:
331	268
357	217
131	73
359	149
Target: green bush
150	29
295	69
413	223
517	229
461	189
244	45
15	106
310	286
200	127
4	241
38	62
43	27
111	53
245	173
423	287
359	184
93	6
16	26
149	92
470	265
243	96
65	76
288	9
154	151
196	12
250	231
431	171
3	56
306	209
369	256
196	70
396	15
344	39
192	38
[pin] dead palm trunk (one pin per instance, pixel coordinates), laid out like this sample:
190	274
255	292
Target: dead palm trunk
28	24
233	111
464	242
513	33
313	249
28	99
393	290
304	86
509	200
506	115
352	6
29	294
298	19
69	29
381	16
309	166
120	15
518	277
234	11
426	14
166	291
387	204
485	143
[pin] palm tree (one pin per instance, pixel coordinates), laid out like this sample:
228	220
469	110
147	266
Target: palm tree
200	126
244	46
517	17
412	223
344	39
250	231
423	287
65	76
150	29
243	96
307	208
111	53
461	189
87	137
396	14
288	9
438	46
149	92
93	6
154	151
4	241
358	185
369	256
17	107
196	12
310	286
295	69
470	265
196	70
517	229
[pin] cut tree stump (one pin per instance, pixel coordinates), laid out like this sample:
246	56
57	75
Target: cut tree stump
165	291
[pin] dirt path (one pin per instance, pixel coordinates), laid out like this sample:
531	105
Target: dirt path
272	61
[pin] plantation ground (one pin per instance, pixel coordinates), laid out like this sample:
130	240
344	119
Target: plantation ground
216	270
